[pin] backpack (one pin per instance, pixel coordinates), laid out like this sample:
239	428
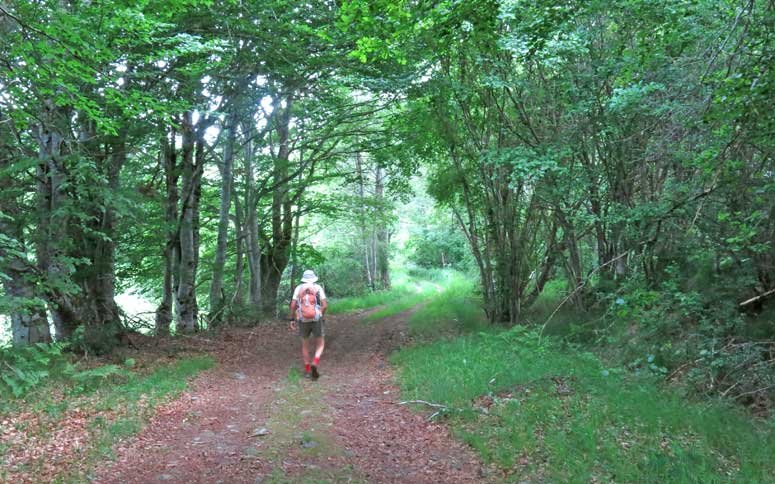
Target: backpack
308	303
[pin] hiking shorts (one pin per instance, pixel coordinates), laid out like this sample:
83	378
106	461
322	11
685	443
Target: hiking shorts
311	328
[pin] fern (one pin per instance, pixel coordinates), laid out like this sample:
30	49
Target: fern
88	380
22	369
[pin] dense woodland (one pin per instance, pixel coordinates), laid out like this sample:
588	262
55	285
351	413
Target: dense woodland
616	154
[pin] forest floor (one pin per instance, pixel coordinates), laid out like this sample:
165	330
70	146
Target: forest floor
255	419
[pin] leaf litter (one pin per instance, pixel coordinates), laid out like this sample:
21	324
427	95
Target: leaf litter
350	425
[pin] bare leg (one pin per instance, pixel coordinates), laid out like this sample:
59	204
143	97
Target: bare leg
320	344
305	351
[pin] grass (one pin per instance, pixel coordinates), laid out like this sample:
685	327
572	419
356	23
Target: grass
553	309
422	291
561	415
133	402
451	310
408	290
403	286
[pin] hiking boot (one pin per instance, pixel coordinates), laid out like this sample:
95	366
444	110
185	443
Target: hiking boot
315	374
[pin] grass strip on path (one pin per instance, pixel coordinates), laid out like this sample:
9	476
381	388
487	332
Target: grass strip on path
298	437
541	411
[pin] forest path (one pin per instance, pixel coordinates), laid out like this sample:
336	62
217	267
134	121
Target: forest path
254	419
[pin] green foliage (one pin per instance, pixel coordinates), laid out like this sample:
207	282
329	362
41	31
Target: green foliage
26	368
88	380
533	407
682	326
162	382
623	148
416	294
443	294
554	312
97	340
451	309
342	271
123	406
440	247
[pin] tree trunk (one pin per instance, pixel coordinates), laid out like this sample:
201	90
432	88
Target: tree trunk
83	295
239	248
362	213
164	311
274	259
186	291
27	310
100	287
295	253
52	221
573	267
217	298
29	324
251	222
382	238
198	172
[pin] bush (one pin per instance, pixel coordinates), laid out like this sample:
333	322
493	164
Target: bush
343	274
682	330
440	246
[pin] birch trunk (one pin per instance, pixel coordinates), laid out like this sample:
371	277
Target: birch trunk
362	213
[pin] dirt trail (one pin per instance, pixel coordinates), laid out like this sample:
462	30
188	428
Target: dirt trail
254	420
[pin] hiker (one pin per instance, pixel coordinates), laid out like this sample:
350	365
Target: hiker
308	307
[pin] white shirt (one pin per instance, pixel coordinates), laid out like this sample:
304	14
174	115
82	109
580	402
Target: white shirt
317	287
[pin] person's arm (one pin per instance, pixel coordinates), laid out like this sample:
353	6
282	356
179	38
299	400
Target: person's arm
323	301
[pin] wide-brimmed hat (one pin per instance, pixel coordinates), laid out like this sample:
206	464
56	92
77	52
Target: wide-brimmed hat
309	276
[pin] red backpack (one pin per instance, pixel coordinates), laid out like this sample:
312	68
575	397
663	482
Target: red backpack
308	303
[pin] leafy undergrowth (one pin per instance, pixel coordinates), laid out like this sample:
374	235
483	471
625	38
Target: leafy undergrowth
63	425
537	410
